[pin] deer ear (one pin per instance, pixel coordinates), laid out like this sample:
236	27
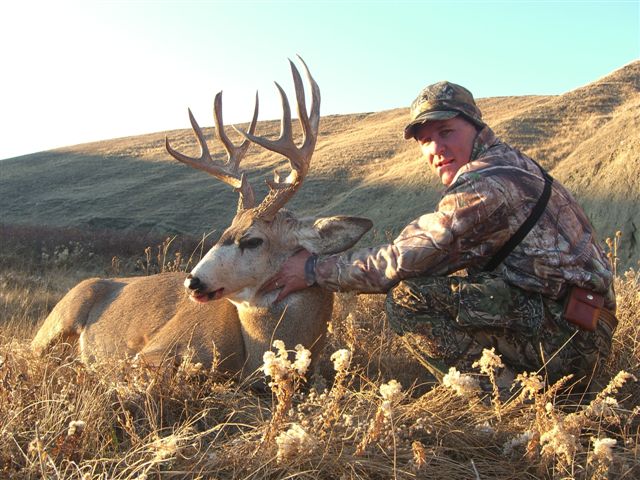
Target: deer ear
329	235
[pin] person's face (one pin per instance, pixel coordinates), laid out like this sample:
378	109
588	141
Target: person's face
447	145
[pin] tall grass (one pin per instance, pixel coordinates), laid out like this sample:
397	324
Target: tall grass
371	410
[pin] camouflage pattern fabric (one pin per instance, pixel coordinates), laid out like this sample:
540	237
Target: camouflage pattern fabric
441	101
489	199
457	317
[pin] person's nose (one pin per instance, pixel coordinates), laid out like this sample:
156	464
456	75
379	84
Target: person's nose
427	150
438	148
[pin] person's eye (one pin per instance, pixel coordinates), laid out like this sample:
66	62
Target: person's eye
446	132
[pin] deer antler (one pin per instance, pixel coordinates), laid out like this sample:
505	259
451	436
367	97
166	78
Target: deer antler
229	172
281	190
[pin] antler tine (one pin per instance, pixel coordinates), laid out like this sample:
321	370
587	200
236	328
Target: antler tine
284	144
204	162
314	117
235	153
281	190
247	198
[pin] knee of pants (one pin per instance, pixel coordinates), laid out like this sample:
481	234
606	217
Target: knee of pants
412	305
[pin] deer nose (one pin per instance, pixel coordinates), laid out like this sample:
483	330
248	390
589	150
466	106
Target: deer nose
193	283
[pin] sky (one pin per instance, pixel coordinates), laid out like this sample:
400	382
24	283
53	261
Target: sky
80	71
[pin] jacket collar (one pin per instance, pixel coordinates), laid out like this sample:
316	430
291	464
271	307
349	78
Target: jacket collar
485	139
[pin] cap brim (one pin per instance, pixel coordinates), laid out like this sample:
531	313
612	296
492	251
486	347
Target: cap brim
409	130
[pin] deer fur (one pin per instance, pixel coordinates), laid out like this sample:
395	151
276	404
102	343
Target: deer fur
153	317
221	313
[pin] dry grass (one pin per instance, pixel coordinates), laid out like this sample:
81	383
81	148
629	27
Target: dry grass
587	138
371	412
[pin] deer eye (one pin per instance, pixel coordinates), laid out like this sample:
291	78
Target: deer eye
249	242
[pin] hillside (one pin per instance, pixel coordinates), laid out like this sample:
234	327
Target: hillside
589	138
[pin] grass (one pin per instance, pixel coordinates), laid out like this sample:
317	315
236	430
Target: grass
361	166
372	413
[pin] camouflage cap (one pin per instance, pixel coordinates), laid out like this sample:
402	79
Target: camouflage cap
441	101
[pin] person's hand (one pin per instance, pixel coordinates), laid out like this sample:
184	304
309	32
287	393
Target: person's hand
290	278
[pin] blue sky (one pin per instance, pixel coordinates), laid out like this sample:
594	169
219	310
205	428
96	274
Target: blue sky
78	71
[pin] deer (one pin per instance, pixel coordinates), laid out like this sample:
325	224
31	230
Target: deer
217	312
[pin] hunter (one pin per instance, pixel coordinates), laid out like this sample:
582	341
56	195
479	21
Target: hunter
538	286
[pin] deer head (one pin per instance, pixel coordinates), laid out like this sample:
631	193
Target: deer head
262	236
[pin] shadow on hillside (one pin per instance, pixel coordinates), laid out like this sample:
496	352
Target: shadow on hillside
164	197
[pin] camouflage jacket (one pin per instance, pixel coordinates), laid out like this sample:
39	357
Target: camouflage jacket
489	199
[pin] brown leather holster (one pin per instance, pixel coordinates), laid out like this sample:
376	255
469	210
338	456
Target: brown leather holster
585	308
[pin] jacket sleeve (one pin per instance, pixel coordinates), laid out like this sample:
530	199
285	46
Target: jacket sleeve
466	229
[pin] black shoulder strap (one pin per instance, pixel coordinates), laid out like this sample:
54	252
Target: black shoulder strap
526	227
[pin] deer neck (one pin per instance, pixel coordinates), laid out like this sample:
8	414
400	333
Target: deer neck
248	299
301	317
260	315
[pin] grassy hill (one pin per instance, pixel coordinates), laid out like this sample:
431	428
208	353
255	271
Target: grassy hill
588	138
382	416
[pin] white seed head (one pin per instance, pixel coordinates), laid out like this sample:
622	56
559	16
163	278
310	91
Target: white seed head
303	360
391	391
489	361
165	447
293	443
559	442
279	345
75	427
531	383
602	407
275	366
341	359
603	448
464	384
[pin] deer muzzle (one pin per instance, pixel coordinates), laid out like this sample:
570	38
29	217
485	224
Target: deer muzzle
198	290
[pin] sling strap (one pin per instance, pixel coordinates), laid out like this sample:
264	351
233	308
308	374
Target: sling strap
526	227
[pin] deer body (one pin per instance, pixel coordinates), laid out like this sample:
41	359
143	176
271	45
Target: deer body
218	309
152	317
